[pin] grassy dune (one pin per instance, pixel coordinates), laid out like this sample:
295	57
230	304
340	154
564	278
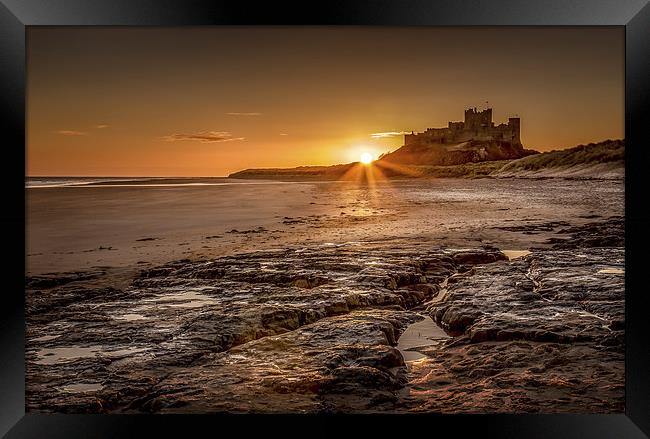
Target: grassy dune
467	170
333	172
603	159
609	151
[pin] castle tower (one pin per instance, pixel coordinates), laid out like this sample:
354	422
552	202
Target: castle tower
486	117
514	124
470	119
477	120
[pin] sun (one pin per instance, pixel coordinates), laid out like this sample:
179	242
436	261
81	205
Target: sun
366	158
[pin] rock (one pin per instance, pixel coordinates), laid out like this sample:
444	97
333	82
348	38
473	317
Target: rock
549	296
478	257
57	279
314	330
608	233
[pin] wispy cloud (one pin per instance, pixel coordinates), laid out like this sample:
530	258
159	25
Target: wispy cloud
102	125
71	133
203	137
387	134
243	114
283	134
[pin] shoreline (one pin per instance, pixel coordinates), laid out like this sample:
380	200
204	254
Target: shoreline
77	229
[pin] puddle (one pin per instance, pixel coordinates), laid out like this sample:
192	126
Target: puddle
513	254
57	355
190	299
130	317
187	299
612	271
422	333
583	313
82	388
46	338
49	356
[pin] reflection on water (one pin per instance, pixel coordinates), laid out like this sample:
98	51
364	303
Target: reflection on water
419	334
513	254
46	338
82	388
612	271
185	299
130	317
57	355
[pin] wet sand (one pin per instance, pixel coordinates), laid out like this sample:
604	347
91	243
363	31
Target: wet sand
81	228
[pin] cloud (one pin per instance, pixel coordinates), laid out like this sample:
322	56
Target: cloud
71	133
244	114
388	134
102	125
283	134
203	137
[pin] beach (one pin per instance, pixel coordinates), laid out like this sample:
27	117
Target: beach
417	295
125	223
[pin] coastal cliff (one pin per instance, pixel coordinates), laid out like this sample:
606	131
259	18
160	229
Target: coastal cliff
472	151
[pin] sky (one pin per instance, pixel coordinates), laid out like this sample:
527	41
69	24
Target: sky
208	101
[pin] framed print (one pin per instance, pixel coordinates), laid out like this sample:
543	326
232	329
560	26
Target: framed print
344	211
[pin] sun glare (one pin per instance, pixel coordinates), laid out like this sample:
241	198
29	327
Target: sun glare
366	158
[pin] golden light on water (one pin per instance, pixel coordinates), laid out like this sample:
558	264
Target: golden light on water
366	158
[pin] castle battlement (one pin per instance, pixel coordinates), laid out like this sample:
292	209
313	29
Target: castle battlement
478	125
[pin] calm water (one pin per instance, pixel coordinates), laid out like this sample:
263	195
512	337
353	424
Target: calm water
56	182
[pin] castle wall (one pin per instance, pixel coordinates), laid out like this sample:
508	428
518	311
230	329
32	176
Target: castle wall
455	126
478	125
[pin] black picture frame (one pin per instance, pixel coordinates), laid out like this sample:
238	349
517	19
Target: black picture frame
634	15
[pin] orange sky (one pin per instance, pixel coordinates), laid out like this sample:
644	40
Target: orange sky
209	101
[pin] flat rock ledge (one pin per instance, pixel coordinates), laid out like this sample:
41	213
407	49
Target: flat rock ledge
315	329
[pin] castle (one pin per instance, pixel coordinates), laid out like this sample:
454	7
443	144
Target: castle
478	125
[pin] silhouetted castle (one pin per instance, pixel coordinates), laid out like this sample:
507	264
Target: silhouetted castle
478	125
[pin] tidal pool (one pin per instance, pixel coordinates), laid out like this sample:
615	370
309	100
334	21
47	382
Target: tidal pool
419	334
513	254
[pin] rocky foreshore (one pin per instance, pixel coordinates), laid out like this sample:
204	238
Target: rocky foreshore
316	329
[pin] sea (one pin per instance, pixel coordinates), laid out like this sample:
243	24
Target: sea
58	182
